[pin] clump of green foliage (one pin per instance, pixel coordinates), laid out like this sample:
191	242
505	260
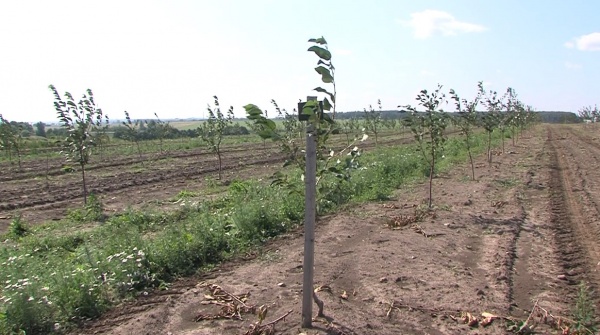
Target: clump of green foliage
93	211
17	228
584	312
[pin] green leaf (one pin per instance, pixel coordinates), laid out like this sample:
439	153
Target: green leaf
321	52
270	124
320	40
325	74
265	134
327	118
252	110
322	90
309	109
327	105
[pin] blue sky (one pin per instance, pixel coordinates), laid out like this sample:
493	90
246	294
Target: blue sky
171	57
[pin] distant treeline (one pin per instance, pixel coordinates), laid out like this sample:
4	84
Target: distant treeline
545	116
150	130
559	117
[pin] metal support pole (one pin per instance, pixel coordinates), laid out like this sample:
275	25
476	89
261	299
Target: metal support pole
309	226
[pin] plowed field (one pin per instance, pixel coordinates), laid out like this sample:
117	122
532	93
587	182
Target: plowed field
43	191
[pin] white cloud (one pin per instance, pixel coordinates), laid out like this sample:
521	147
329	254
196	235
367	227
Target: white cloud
487	83
428	22
426	73
589	42
572	66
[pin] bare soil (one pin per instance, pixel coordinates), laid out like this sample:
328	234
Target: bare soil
523	235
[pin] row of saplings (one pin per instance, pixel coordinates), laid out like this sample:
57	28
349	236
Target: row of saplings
506	113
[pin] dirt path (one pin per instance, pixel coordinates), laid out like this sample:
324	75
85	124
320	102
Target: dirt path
524	232
576	200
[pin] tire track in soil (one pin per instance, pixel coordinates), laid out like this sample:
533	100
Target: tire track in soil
533	257
588	178
576	242
506	242
512	261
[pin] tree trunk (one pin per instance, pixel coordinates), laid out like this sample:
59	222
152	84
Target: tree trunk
471	160
431	180
47	170
513	135
219	156
84	185
18	156
9	151
489	148
140	152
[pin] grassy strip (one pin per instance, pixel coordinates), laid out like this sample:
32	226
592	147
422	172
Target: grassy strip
56	276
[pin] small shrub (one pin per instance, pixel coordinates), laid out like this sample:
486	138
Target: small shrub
92	211
68	169
17	228
185	194
238	187
584	312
